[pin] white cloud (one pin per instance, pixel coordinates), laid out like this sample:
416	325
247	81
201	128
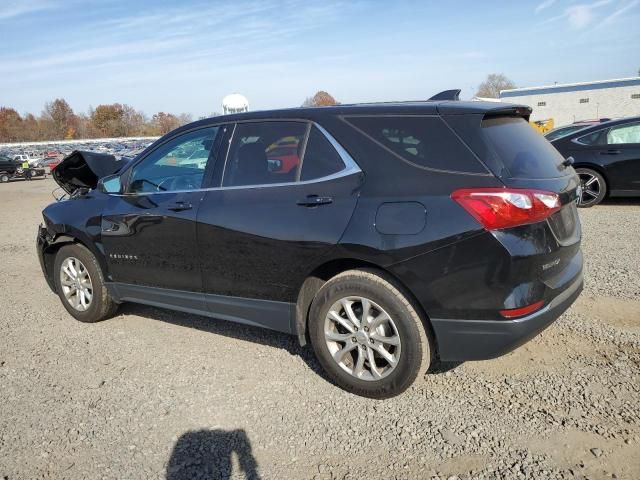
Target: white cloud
15	8
579	16
616	13
582	15
545	4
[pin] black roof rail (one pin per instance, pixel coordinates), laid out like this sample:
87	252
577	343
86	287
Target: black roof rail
447	95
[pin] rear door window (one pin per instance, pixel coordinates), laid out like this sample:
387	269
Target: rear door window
423	141
320	158
523	152
264	153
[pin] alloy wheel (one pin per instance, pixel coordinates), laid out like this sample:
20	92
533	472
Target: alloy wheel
76	284
362	338
591	188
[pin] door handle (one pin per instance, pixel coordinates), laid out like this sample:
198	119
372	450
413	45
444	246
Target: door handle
179	206
610	152
314	201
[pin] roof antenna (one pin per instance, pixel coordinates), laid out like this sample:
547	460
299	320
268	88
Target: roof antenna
447	95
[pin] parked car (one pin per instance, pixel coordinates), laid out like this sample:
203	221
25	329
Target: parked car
11	168
574	127
33	161
410	232
52	162
566	130
606	157
8	168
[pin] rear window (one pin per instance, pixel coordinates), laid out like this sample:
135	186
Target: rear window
524	152
423	141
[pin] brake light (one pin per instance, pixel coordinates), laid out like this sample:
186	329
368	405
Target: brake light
522	311
497	208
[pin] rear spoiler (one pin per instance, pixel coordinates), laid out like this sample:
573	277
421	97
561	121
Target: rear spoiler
447	95
510	111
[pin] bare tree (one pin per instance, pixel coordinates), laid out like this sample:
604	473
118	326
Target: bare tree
185	118
164	122
494	82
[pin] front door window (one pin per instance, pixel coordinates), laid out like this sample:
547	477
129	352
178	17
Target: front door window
175	166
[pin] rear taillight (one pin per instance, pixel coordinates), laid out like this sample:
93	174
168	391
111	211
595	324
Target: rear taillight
522	311
497	208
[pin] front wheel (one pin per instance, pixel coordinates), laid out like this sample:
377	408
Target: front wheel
594	187
80	285
367	335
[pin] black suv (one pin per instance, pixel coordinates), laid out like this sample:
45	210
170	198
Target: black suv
387	235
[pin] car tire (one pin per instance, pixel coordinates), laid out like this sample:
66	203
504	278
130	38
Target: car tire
594	187
4	178
76	258
346	350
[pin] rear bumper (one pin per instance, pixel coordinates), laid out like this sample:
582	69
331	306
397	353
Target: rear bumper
460	340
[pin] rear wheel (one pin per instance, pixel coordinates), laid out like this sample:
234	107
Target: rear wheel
594	187
80	285
367	335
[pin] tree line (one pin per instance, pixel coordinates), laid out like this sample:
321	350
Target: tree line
58	121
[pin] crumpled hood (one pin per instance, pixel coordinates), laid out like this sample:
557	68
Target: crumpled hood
83	169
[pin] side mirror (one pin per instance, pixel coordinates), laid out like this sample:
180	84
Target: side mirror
110	184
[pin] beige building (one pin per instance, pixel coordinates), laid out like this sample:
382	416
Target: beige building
573	102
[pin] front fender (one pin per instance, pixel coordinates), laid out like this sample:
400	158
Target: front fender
76	220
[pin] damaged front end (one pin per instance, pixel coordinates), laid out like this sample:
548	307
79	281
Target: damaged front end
80	171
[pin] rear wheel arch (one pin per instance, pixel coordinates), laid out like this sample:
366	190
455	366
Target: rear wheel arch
595	172
323	273
595	168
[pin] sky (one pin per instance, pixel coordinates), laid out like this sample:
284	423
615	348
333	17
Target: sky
185	56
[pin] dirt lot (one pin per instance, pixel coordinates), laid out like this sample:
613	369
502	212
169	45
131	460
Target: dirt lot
155	394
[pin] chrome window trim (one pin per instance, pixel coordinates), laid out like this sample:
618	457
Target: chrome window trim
351	168
305	141
226	155
347	159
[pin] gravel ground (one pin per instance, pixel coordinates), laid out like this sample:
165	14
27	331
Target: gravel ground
156	394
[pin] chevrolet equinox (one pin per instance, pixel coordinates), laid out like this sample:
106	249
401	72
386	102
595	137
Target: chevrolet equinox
387	235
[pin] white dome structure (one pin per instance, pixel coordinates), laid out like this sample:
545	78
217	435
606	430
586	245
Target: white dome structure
235	103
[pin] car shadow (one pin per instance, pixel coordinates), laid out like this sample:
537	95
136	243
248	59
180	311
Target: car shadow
262	336
207	454
621	201
238	331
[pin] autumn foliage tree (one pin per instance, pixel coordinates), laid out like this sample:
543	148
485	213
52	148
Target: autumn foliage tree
62	122
320	99
58	121
108	120
10	124
165	122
